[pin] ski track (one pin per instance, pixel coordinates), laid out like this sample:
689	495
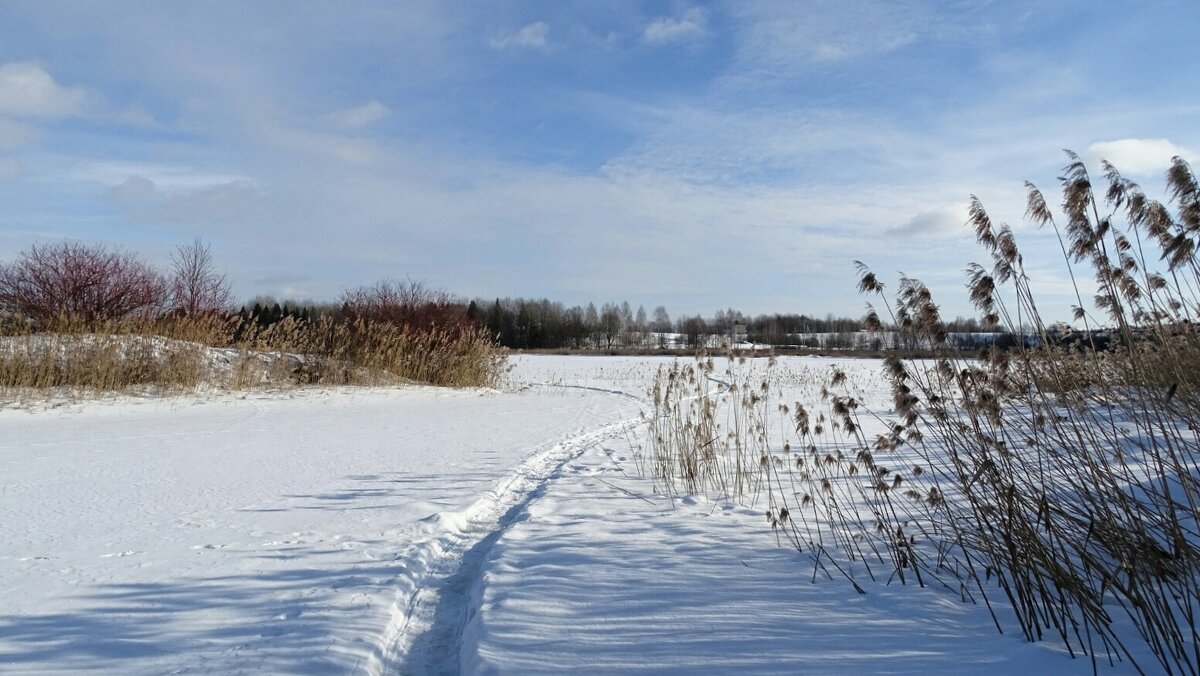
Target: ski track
434	601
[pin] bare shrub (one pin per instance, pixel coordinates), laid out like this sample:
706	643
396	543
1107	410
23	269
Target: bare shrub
74	280
405	303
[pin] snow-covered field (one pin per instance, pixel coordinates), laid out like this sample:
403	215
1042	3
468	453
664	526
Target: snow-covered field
421	530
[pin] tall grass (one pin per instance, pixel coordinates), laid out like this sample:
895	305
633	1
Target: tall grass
1063	480
1077	470
362	351
76	354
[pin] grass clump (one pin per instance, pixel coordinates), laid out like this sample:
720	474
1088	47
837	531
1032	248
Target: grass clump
699	444
365	351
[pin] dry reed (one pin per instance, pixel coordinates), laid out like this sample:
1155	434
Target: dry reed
183	353
1061	479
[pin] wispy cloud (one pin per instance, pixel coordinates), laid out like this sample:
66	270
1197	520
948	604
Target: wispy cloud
140	179
788	37
13	133
690	25
533	35
361	116
10	168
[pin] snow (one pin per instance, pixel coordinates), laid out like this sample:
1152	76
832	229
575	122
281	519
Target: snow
424	530
258	534
600	580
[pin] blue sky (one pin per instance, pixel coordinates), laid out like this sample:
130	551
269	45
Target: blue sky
698	155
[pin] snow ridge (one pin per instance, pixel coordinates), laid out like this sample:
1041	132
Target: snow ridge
434	599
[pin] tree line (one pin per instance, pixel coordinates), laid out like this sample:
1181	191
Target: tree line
523	323
97	284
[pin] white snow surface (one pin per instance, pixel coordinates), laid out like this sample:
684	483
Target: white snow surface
422	530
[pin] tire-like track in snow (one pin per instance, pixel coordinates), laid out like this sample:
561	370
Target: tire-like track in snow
434	601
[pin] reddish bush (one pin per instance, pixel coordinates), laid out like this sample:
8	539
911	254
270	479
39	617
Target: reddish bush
75	280
409	304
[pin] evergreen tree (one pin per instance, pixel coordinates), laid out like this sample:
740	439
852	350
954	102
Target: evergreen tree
495	322
525	328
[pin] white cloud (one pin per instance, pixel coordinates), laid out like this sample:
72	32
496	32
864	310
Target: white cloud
946	221
137	179
10	168
1137	156
693	23
791	187
533	35
361	116
28	90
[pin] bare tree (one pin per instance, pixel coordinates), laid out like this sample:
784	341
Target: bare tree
662	320
196	286
591	320
70	279
626	322
610	324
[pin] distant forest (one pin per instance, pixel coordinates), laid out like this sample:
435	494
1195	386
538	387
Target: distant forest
544	324
532	324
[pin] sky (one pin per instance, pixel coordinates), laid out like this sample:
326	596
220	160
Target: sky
697	155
